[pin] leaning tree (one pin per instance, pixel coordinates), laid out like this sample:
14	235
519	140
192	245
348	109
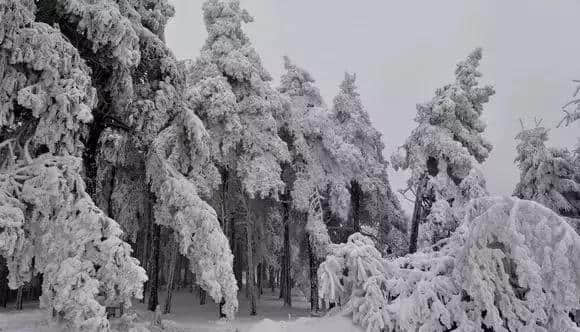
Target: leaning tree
443	151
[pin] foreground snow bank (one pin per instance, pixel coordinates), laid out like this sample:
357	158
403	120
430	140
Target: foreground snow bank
512	265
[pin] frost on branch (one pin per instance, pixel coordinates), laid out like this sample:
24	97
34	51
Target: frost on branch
510	266
85	264
41	72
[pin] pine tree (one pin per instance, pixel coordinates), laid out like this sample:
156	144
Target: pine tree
230	91
373	205
443	151
108	107
548	175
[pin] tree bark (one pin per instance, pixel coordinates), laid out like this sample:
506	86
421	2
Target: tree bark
272	277
147	238
260	280
202	296
3	282
250	274
287	282
417	212
154	267
19	297
281	282
356	203
313	279
171	278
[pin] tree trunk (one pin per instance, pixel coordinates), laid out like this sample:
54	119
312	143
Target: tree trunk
154	267
272	277
286	258
313	279
356	203
202	296
147	238
236	251
3	282
417	212
19	297
174	254
250	274
221	307
281	283
260	280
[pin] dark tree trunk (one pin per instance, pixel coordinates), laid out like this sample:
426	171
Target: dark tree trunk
237	255
148	239
154	267
417	213
356	204
272	276
174	254
286	282
281	277
202	296
313	279
19	297
260	280
250	275
3	282
221	307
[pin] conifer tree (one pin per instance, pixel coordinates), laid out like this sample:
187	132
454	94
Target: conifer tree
113	99
548	175
231	93
373	206
443	151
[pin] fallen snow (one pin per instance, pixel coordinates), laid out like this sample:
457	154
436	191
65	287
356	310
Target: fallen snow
188	316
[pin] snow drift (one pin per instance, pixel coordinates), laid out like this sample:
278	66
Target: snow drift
510	266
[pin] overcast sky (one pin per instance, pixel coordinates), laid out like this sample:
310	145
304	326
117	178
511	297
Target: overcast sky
403	50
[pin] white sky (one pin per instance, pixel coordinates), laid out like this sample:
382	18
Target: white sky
403	50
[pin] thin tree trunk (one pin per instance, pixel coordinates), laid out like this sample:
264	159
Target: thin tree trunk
250	274
313	279
286	258
281	277
154	266
148	215
260	281
19	297
3	282
272	279
202	296
356	198
250	282
174	254
417	211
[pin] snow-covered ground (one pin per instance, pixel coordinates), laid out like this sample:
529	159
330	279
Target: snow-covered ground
188	315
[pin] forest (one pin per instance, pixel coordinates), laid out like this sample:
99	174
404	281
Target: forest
134	185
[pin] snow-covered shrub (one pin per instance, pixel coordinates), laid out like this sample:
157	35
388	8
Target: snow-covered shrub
510	266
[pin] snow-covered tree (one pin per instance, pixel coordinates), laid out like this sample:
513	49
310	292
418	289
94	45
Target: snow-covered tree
114	97
46	215
548	175
372	202
230	91
510	266
572	108
443	151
